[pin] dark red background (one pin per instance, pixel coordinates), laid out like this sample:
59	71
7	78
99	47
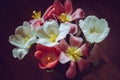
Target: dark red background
14	12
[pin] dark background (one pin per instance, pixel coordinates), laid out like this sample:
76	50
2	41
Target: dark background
14	12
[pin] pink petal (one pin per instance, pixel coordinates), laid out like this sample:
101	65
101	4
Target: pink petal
59	8
63	45
38	23
75	41
73	28
48	13
71	72
68	7
63	58
79	13
83	64
84	49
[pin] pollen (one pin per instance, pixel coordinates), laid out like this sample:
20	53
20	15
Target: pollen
53	37
73	52
36	15
64	17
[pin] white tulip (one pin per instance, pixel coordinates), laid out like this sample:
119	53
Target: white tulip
51	33
94	29
23	38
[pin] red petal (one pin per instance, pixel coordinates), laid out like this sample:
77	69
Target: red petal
83	64
71	72
38	54
59	8
41	48
75	41
84	49
49	65
79	13
63	45
68	7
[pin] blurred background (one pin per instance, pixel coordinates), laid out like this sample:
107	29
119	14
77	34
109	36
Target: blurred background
14	12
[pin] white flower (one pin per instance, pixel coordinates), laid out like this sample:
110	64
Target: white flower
23	38
51	33
94	29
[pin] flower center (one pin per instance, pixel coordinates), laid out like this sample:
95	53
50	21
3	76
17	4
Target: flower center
53	37
36	15
26	39
74	53
94	30
64	17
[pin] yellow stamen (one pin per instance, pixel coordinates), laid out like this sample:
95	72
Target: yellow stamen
53	37
36	15
49	59
73	52
64	17
26	39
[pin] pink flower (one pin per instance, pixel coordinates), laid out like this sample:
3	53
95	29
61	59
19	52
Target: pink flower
39	21
75	53
48	56
65	13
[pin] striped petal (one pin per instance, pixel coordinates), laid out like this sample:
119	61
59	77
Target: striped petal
75	41
68	7
71	72
83	64
79	13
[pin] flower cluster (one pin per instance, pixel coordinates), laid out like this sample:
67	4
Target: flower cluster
61	36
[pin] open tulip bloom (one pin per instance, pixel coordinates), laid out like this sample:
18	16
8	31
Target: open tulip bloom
54	34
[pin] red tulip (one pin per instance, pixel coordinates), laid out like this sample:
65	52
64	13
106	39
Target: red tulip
48	56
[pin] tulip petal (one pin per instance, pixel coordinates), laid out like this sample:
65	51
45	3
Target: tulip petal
50	27
68	7
48	13
73	28
59	8
79	13
17	40
83	64
39	54
63	45
46	42
75	41
63	58
19	53
63	31
71	72
84	50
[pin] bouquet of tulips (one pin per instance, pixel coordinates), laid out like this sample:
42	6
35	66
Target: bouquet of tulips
61	36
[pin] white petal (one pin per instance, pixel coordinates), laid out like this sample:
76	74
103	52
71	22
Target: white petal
50	27
63	31
30	42
17	40
46	42
19	53
63	58
40	33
